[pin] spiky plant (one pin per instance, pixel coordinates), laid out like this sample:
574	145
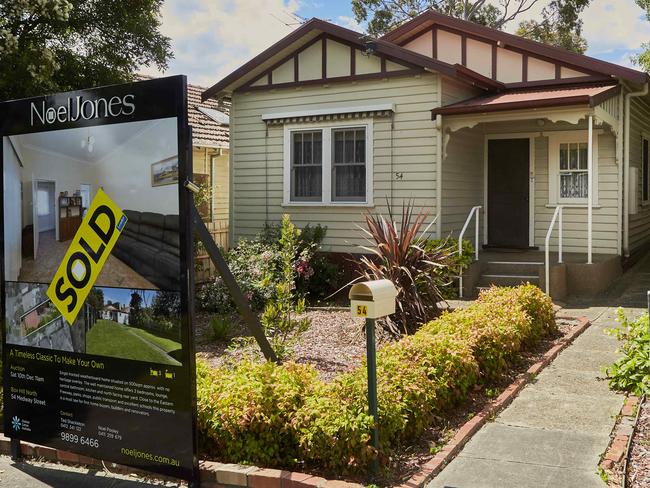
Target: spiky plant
398	252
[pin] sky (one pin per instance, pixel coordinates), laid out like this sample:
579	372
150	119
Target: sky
211	38
123	296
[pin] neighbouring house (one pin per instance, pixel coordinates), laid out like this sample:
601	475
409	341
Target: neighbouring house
115	313
516	142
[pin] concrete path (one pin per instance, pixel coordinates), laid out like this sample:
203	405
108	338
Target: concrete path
554	432
42	475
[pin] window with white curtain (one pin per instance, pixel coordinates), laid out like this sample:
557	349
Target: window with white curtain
328	165
567	161
573	170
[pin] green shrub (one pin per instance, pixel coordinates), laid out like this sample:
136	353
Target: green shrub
317	277
632	371
279	316
455	263
221	328
245	414
275	415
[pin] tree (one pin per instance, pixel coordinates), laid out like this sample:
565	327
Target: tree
135	309
643	58
384	15
96	300
560	25
58	45
166	304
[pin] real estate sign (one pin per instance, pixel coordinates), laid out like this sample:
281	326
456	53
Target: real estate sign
96	284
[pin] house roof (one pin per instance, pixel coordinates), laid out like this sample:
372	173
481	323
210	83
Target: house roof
532	98
209	119
424	21
313	28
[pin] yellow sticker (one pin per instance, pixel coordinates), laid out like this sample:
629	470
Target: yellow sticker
362	310
86	256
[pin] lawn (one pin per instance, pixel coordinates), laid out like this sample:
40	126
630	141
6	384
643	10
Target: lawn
166	345
108	338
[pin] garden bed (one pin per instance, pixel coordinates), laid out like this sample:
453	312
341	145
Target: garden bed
313	417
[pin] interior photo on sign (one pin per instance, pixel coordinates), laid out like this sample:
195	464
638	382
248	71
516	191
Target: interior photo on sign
51	179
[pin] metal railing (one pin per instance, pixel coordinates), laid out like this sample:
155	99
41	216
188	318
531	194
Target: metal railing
460	243
547	263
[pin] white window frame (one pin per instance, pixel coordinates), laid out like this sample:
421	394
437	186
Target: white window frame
644	137
327	128
569	137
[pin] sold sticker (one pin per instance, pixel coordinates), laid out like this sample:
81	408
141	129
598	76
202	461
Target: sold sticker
86	256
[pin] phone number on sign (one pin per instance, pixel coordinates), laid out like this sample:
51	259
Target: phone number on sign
76	439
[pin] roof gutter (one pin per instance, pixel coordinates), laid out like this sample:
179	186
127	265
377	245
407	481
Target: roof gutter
626	167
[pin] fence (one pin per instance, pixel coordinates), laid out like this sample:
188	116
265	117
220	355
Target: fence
205	269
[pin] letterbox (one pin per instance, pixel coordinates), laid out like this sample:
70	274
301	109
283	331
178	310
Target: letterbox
373	299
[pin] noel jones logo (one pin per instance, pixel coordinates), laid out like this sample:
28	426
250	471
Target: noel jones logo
77	108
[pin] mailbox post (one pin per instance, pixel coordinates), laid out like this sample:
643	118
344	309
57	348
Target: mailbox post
372	300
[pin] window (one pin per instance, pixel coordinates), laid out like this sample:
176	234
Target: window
328	165
645	172
42	202
307	166
349	165
568	163
573	170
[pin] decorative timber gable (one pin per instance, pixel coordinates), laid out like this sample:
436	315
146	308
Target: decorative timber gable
503	57
328	59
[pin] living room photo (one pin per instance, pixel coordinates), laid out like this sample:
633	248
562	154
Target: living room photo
51	179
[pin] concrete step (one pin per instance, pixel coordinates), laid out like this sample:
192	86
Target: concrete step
487	280
505	267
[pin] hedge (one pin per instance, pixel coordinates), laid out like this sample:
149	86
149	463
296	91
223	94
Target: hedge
283	415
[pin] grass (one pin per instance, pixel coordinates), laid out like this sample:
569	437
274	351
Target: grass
108	338
166	345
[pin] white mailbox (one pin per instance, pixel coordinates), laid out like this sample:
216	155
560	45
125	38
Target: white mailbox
373	299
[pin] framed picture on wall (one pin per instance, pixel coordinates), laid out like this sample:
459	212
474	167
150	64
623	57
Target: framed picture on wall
165	172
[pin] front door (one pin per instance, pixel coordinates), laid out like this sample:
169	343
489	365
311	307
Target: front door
508	192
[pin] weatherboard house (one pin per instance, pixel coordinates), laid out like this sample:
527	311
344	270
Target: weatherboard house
524	146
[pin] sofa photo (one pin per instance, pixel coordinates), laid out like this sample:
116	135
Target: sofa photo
150	245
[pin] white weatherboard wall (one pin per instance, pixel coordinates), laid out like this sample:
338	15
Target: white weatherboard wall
125	174
12	219
462	183
257	157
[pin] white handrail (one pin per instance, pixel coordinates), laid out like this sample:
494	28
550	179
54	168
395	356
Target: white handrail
558	213
460	243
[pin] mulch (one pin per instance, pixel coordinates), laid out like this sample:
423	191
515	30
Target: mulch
334	343
638	473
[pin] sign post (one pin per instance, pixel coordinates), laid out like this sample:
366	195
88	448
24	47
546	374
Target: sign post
96	276
373	300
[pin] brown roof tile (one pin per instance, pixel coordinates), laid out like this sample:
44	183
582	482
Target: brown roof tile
206	131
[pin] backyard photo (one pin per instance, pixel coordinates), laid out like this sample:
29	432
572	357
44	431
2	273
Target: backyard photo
142	325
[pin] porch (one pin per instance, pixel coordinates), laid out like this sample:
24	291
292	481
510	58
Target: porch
526	185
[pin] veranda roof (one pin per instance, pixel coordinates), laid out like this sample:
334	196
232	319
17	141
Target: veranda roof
590	95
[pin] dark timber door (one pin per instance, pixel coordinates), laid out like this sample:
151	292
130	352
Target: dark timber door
508	192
